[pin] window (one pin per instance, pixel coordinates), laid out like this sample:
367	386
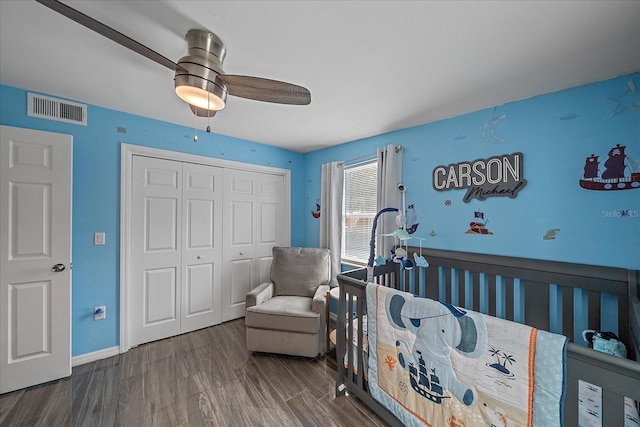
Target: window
360	207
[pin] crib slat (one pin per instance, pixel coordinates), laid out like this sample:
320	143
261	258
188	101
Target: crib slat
555	308
501	297
442	285
349	332
422	281
484	293
468	290
580	315
518	300
359	348
609	312
412	282
455	287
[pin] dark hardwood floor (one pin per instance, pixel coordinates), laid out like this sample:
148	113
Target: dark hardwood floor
204	378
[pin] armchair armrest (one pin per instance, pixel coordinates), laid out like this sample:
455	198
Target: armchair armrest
259	294
320	299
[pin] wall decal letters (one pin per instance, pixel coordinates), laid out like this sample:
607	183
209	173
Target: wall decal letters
483	178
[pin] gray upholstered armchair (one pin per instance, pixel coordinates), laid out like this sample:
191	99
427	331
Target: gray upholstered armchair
287	315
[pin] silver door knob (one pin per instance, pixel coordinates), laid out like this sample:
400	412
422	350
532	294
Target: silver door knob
58	268
198	257
241	253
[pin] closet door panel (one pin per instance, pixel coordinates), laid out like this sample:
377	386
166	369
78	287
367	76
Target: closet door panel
268	220
160	222
241	277
156	249
271	221
159	296
239	241
241	223
200	232
199	292
254	224
202	253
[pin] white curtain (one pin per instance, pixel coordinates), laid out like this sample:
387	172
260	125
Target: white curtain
331	196
389	176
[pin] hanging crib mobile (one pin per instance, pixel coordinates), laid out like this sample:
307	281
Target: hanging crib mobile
401	235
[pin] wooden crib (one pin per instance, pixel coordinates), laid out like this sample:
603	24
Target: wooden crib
563	298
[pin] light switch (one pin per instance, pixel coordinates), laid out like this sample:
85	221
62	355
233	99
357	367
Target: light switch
98	239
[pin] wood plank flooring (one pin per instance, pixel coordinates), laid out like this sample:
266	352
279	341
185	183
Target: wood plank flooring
204	378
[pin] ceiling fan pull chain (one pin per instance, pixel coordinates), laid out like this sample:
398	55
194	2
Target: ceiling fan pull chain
208	108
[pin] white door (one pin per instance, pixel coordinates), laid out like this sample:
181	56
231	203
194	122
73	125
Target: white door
156	265
176	251
254	220
270	222
201	247
35	252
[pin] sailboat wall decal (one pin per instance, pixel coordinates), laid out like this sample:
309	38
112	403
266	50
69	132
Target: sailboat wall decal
613	177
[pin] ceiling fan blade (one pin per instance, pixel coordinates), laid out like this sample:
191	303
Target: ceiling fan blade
108	32
266	90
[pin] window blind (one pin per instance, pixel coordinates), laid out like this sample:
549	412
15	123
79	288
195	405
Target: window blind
360	207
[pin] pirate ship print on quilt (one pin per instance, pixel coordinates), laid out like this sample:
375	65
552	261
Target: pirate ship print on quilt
621	172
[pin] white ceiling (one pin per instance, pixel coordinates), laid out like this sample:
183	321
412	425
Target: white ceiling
371	66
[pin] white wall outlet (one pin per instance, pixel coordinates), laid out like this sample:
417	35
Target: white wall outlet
99	312
98	238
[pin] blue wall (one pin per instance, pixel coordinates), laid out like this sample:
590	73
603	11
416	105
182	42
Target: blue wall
555	133
96	197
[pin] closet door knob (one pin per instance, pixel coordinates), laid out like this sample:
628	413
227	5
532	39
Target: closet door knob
198	257
241	253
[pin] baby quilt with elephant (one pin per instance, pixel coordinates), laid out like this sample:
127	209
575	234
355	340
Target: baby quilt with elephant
435	364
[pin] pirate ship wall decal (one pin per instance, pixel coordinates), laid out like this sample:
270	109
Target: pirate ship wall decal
614	176
478	225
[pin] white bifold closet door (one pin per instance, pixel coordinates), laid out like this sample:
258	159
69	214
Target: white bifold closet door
255	221
176	266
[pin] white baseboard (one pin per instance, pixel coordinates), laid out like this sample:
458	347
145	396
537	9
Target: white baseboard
95	355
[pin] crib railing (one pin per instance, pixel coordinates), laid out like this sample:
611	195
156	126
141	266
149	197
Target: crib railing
560	297
351	352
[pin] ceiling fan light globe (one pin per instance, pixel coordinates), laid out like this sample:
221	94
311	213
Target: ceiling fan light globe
199	97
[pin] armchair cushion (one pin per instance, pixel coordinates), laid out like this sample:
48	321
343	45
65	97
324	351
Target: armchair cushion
284	313
299	271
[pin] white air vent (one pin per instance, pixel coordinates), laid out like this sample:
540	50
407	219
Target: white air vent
50	108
